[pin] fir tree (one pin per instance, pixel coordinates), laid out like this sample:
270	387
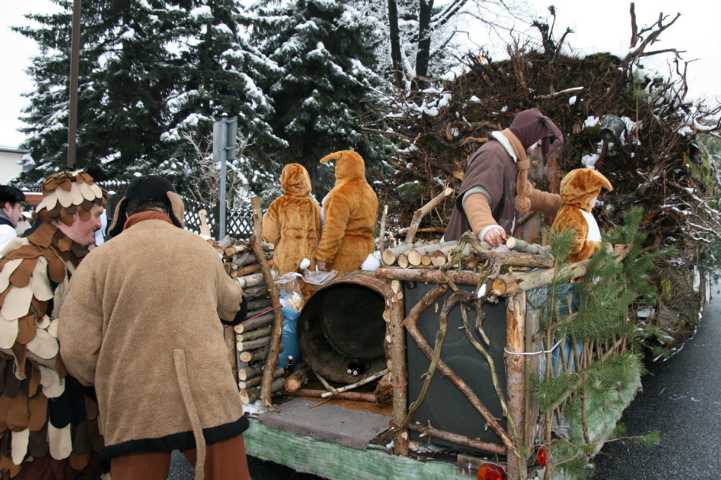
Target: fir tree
223	76
153	76
327	90
599	316
125	74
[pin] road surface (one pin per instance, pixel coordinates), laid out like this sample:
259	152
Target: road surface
681	399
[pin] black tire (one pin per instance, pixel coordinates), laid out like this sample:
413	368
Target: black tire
264	470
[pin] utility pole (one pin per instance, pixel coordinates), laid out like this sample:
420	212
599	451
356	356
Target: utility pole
74	73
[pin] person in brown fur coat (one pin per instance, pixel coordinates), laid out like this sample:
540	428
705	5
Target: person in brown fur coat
349	211
579	190
292	222
142	323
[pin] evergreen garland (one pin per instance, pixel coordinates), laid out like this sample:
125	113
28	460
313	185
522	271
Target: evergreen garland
599	315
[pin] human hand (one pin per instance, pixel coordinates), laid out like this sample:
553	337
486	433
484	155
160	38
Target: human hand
242	313
494	236
321	266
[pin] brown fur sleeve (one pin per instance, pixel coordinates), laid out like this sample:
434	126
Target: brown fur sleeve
271	224
230	294
544	202
336	220
571	218
80	326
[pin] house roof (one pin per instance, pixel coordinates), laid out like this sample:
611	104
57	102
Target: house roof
11	149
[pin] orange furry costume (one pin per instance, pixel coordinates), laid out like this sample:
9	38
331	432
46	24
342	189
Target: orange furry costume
579	189
292	223
350	210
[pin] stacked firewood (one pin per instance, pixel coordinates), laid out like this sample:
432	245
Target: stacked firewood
465	254
418	254
252	336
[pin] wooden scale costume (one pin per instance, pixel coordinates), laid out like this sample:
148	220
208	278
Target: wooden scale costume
48	421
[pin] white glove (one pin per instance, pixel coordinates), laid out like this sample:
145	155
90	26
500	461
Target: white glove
494	235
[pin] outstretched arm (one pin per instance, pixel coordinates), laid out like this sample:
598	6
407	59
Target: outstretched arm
480	217
544	202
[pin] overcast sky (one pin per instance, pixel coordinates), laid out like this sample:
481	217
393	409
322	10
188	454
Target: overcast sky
598	25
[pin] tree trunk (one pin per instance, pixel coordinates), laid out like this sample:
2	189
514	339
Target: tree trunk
424	41
395	42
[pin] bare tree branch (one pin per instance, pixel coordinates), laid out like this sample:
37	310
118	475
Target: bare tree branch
634	27
656	30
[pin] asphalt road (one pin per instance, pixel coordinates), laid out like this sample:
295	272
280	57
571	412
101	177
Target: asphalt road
681	399
180	468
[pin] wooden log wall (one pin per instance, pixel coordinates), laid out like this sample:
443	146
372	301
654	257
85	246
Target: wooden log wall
249	342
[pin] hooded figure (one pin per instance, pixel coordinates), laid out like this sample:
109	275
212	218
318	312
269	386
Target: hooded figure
495	188
349	211
579	190
292	223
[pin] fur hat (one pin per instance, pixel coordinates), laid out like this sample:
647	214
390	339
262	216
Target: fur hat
349	164
67	193
581	185
149	189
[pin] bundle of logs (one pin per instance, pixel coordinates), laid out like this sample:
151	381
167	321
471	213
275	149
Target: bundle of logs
435	255
251	339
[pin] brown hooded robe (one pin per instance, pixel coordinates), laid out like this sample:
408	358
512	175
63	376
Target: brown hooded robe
492	168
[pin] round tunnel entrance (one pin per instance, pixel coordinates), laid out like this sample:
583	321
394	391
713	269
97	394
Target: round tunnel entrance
342	330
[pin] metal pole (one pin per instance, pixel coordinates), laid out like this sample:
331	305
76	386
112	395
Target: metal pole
221	196
74	72
231	130
219	144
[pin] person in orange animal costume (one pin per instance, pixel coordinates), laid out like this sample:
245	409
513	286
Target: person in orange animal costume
349	210
292	222
579	190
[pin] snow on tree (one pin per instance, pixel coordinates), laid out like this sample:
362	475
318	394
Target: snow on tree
125	74
223	75
328	90
424	39
153	74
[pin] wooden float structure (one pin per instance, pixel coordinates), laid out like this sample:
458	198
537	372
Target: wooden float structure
368	429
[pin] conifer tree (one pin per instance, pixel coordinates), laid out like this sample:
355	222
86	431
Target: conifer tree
327	90
223	75
599	315
153	76
126	72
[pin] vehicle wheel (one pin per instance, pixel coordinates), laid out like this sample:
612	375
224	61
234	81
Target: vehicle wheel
264	470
